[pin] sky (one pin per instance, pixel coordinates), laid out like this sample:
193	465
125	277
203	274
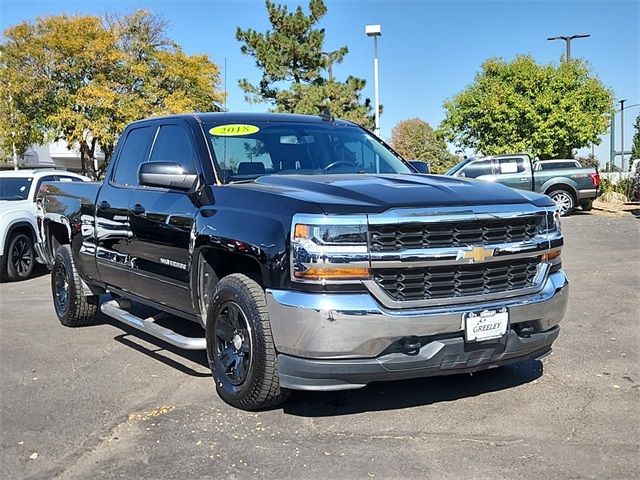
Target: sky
429	50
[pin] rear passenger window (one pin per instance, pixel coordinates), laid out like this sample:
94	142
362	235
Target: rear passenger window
135	151
511	165
173	145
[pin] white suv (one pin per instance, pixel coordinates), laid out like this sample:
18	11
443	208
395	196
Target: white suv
18	191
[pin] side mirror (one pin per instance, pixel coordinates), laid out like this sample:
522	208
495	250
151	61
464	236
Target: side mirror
420	166
167	175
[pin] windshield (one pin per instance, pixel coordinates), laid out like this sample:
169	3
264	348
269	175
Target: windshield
244	152
15	188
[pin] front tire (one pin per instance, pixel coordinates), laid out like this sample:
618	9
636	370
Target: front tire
20	257
564	201
73	307
240	347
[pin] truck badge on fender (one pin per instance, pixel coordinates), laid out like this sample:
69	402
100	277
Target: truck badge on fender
173	263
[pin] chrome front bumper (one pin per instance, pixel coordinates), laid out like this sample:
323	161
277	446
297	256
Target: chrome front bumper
350	326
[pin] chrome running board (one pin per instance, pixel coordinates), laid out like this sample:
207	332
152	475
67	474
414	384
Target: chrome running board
113	309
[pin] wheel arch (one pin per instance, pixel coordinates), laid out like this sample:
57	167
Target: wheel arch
211	264
20	226
549	187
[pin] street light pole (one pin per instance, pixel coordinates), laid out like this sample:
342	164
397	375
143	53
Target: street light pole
622	134
567	40
375	31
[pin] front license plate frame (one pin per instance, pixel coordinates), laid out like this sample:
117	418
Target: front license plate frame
484	325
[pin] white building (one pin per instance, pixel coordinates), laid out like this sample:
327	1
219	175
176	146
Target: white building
56	155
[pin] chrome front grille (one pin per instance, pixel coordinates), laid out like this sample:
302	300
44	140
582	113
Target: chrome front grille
406	236
455	255
455	281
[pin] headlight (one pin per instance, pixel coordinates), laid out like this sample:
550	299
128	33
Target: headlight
329	249
551	223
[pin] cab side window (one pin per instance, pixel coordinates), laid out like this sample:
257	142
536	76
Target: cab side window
174	145
135	151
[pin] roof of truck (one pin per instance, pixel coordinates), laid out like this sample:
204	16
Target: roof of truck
236	117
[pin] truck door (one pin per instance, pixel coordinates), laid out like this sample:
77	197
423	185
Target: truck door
161	221
514	172
113	232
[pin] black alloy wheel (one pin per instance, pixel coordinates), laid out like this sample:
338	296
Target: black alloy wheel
74	306
240	346
21	257
232	343
60	289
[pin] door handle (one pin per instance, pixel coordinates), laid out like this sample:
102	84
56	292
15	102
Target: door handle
104	205
523	180
138	209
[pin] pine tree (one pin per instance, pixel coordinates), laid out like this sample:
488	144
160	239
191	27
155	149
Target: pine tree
294	64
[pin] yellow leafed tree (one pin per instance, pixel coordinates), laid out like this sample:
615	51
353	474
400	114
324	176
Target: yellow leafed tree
82	79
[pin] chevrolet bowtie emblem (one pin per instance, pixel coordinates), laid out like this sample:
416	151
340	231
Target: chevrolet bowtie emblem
477	254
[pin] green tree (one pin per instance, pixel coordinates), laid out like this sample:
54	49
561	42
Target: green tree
293	62
82	79
414	139
635	146
521	106
16	132
589	161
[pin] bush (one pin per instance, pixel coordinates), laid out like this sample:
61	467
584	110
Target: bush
625	186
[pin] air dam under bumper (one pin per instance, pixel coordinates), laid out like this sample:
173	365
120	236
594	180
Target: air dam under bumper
343	341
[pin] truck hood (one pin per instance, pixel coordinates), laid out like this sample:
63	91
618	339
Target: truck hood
364	193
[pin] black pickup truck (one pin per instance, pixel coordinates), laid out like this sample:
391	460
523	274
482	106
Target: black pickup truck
311	254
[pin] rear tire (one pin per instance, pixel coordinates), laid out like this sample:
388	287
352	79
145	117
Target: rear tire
564	201
586	205
73	307
21	257
240	346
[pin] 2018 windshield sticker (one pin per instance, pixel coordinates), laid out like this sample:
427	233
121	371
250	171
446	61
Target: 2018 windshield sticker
233	130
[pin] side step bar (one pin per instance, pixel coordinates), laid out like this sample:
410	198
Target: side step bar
112	308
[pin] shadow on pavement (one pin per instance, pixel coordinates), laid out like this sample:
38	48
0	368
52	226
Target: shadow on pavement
378	396
131	337
410	393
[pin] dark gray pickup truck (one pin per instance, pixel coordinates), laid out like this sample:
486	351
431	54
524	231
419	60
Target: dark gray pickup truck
569	187
311	254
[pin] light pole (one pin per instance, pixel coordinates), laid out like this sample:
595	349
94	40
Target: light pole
567	40
622	134
375	31
613	153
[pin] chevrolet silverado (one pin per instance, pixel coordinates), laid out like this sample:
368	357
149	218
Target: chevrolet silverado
312	255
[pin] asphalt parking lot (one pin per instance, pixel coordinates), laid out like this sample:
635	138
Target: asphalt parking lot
108	402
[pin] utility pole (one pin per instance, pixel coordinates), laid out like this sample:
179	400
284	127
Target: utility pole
612	143
622	134
225	85
567	40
